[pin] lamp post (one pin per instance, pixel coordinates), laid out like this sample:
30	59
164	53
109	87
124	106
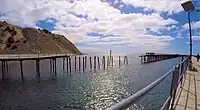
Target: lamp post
189	7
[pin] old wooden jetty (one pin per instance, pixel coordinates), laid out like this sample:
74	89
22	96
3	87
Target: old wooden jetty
152	57
81	63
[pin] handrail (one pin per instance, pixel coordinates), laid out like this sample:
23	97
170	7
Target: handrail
125	103
165	105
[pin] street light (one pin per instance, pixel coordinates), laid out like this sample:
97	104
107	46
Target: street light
189	7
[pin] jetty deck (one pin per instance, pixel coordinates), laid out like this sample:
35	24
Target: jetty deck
32	56
188	95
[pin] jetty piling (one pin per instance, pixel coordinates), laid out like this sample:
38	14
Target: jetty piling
63	63
75	63
103	62
70	66
21	70
91	63
50	65
3	69
6	64
98	62
38	68
94	62
112	60
108	63
124	60
83	63
119	61
55	67
66	63
79	61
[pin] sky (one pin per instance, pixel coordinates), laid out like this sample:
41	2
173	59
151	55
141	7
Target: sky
124	26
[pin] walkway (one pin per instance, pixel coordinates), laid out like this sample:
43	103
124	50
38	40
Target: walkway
188	95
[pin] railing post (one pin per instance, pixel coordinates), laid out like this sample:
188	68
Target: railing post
182	72
174	85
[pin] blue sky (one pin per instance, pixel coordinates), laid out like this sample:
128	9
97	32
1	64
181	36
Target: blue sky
125	26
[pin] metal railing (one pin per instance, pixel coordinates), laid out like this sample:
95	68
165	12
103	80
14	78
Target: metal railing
177	72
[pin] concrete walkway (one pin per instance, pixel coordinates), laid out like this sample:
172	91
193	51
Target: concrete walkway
188	95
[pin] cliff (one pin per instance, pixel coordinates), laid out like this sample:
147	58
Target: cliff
16	40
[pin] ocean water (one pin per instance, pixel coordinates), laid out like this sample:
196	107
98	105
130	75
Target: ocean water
89	90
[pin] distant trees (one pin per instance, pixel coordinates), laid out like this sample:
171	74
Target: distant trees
46	31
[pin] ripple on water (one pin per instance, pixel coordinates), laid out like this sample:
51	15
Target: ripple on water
89	90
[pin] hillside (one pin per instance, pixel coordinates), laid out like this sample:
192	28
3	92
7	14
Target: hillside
16	40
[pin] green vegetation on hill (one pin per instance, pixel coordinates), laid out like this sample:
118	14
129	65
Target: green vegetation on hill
16	40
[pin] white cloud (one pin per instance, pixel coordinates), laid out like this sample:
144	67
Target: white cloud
169	6
195	37
99	17
179	35
194	25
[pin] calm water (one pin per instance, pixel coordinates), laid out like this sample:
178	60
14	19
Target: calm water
89	90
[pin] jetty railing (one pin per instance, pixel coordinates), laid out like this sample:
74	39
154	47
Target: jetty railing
177	73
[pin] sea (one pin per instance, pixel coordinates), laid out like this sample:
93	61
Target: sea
89	90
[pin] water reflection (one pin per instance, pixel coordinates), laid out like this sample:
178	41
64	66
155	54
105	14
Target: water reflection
83	90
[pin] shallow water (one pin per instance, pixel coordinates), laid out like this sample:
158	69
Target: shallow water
89	90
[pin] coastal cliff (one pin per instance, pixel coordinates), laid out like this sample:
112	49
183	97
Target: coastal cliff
16	40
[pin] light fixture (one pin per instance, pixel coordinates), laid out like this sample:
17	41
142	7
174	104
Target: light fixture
188	6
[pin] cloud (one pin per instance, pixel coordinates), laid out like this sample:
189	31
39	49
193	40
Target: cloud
195	37
169	6
75	19
194	25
